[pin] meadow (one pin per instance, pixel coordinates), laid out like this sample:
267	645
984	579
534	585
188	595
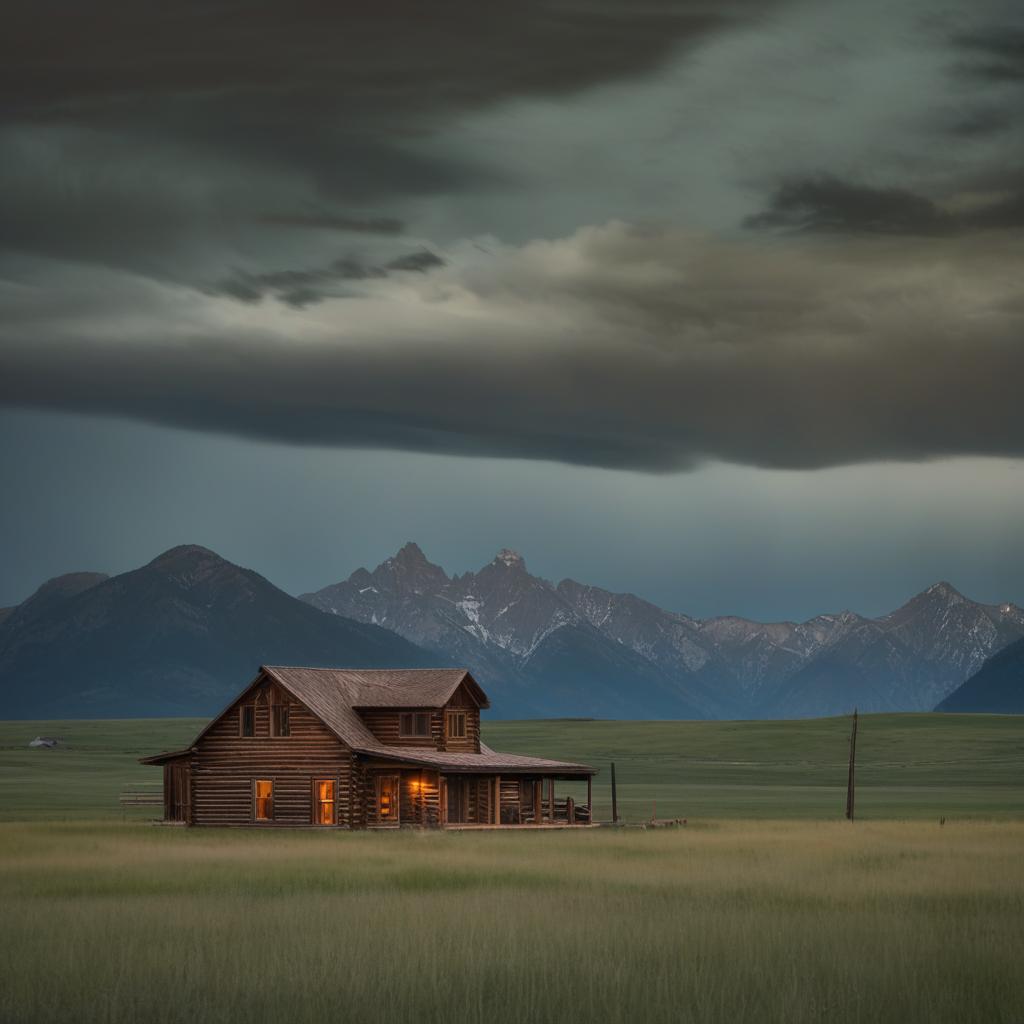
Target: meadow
767	906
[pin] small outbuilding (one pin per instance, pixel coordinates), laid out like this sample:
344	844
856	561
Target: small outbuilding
361	748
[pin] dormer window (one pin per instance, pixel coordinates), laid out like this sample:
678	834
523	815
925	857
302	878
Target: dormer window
279	725
456	725
414	723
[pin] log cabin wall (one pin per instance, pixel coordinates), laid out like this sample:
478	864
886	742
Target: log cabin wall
461	701
385	723
225	766
420	798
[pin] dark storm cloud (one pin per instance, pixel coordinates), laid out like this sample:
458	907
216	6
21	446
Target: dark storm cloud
827	204
798	356
401	59
332	222
996	55
299	288
169	139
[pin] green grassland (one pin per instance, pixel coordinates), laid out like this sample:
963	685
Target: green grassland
908	766
766	907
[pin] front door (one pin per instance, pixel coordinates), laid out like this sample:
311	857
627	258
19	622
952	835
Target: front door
457	799
387	799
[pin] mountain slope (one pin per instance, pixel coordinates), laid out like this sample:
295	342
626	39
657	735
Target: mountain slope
532	640
177	636
998	686
533	651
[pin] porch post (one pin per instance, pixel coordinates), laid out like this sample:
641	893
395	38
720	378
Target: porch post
497	799
590	798
551	796
538	801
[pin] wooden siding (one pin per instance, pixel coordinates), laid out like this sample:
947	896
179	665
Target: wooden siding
462	701
225	766
384	724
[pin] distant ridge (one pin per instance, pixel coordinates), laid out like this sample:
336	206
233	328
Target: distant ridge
177	636
998	686
575	649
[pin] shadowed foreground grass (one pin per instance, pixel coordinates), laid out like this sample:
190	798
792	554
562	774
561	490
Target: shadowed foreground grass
759	922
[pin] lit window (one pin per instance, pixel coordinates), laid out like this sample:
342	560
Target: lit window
248	720
387	799
414	724
279	720
264	800
323	805
457	725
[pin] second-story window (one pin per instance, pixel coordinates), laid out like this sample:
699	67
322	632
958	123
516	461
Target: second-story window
248	720
279	725
456	725
414	723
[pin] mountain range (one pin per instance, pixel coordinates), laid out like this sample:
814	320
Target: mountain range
178	636
571	648
182	633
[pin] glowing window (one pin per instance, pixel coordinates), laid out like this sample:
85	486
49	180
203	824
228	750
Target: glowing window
323	802
387	799
264	789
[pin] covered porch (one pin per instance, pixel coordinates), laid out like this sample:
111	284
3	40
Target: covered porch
469	800
459	799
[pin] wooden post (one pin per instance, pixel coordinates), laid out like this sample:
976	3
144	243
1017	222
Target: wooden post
615	798
852	771
497	800
538	801
551	796
590	798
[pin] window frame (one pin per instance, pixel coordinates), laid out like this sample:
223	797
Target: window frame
460	717
318	803
245	709
396	817
280	713
415	718
256	801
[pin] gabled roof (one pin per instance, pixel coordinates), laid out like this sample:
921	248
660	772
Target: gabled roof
335	694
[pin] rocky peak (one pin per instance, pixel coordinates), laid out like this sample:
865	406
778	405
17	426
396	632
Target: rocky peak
410	554
185	558
944	591
510	559
410	570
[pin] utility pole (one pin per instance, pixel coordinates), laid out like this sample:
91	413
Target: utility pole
853	763
615	798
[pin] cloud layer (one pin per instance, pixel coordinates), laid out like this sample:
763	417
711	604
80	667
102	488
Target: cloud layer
780	234
617	346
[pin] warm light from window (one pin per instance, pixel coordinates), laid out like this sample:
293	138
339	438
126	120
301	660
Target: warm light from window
325	802
264	800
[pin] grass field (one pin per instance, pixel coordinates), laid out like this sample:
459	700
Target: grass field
757	920
908	766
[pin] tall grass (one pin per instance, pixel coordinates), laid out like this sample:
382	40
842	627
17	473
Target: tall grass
770	921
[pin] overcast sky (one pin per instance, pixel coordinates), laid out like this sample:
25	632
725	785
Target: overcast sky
720	303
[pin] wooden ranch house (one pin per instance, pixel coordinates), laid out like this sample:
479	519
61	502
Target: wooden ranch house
355	748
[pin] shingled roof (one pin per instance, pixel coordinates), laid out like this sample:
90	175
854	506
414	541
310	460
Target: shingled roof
335	694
